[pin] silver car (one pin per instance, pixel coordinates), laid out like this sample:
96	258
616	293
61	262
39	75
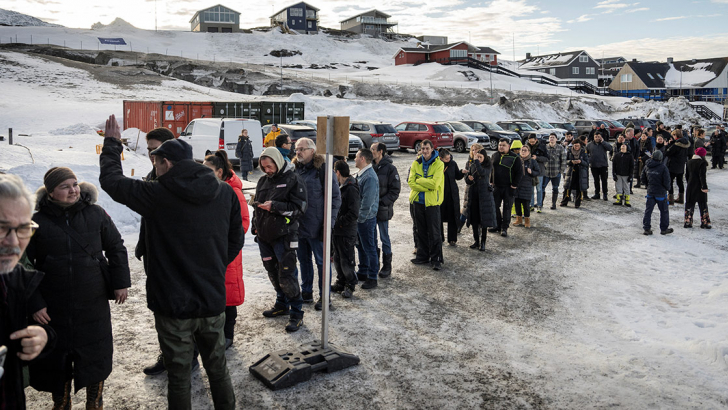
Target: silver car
375	131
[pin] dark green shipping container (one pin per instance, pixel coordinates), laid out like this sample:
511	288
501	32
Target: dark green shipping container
265	112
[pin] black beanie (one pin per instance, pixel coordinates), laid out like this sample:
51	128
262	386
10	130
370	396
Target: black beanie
55	176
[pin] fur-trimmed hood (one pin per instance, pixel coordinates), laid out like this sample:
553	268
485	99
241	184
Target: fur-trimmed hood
317	161
89	194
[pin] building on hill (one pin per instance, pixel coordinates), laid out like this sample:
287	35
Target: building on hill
437	54
372	22
611	60
485	54
574	66
301	17
216	19
645	80
698	79
433	40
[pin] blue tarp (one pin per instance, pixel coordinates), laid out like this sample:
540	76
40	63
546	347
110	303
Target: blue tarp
112	41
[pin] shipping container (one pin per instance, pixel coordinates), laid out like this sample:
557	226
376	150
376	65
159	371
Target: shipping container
175	115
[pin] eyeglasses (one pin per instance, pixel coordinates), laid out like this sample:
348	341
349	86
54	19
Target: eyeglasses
24	231
302	149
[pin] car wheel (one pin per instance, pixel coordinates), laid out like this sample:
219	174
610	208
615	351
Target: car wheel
459	146
494	144
418	146
352	156
403	149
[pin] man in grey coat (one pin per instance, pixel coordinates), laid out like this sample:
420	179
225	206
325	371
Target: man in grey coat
599	163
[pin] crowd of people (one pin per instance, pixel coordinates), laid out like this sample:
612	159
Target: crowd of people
195	216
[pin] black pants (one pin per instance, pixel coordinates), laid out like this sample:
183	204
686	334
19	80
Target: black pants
680	185
414	225
429	237
718	158
344	260
503	195
526	204
600	175
231	313
452	231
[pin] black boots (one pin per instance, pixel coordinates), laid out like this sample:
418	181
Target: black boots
156	368
579	195
565	199
554	197
386	266
482	240
294	323
476	236
94	396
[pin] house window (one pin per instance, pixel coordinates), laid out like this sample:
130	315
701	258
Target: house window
401	55
650	75
310	25
660	75
296	12
626	78
458	53
552	71
583	59
574	70
358	19
591	70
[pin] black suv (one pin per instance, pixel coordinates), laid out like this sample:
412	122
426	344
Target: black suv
493	130
643	123
524	130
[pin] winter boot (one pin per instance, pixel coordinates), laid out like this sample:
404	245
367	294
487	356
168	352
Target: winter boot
596	195
579	196
670	200
386	266
554	197
294	323
705	220
604	196
626	201
618	201
667	231
348	292
680	198
156	368
585	196
519	221
482	241
527	222
689	218
476	236
565	199
94	396
62	400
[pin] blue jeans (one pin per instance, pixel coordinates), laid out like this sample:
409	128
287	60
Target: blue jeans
384	237
367	247
664	213
279	261
538	193
555	181
307	246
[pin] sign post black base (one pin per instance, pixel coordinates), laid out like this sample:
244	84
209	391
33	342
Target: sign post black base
285	368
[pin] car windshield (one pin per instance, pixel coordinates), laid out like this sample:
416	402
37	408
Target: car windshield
459	126
544	124
493	126
524	126
439	128
385	129
617	124
309	133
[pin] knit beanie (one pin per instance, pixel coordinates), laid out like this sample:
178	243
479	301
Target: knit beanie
701	152
55	176
657	156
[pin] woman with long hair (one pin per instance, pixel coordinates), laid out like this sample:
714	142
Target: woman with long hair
234	287
481	205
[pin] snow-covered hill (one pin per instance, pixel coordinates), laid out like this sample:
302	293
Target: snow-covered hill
13	18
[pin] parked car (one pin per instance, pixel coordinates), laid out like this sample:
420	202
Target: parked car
640	122
545	127
207	135
411	134
355	143
524	130
307	123
493	131
295	131
584	127
615	128
565	125
375	131
463	137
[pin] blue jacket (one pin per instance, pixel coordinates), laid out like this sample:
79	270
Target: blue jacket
311	224
369	190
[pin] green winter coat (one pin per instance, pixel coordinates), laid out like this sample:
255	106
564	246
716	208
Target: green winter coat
433	185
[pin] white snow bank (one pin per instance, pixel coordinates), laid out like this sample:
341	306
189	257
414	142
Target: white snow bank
74	129
697	77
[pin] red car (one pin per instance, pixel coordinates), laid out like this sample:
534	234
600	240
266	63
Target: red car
615	128
411	134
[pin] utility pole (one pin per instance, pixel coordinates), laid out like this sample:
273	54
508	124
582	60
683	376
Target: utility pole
281	65
155	15
514	49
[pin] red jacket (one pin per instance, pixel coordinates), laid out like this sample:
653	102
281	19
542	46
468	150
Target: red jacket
234	287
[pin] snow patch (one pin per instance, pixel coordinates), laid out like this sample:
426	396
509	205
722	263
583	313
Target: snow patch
75	129
119	25
13	18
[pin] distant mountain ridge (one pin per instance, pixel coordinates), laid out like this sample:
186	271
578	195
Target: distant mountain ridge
13	18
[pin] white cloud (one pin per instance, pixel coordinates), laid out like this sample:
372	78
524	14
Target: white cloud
688	17
639	9
581	19
658	49
610	6
672	18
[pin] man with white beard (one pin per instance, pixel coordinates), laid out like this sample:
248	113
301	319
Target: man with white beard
17	285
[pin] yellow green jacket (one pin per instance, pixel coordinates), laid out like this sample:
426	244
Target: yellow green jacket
433	185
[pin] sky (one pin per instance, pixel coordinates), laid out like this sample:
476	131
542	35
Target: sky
648	30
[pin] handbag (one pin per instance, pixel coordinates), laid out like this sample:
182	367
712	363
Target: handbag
103	263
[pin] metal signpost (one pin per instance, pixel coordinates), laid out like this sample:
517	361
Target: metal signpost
285	368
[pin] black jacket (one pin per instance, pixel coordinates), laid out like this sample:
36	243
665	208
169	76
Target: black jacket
507	170
657	178
288	193
598	154
74	288
542	155
450	208
622	165
697	170
349	211
717	143
244	151
141	245
480	193
525	186
21	285
677	155
313	175
193	231
389	187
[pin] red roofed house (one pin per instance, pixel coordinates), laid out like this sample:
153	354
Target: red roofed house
440	54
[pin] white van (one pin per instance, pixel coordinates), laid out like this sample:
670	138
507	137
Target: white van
207	135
